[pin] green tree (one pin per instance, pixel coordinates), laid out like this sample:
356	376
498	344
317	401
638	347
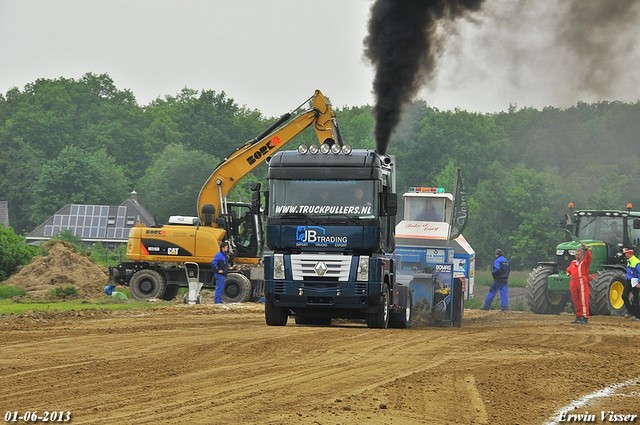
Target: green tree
20	165
14	252
75	176
172	183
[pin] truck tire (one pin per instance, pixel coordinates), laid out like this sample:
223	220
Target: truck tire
302	319
404	318
147	284
170	293
275	316
605	293
380	319
539	299
237	288
458	304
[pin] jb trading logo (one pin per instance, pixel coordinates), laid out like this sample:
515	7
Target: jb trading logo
309	234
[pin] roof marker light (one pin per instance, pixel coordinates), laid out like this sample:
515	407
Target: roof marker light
422	189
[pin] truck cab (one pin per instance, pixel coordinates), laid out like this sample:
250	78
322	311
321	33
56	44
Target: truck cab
330	227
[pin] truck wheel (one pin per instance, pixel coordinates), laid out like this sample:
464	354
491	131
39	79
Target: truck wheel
605	293
147	284
404	318
237	288
458	304
539	299
301	319
380	319
275	316
170	293
320	321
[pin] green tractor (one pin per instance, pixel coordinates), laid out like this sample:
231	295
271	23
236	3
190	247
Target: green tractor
605	232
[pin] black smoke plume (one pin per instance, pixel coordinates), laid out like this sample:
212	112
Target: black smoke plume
405	38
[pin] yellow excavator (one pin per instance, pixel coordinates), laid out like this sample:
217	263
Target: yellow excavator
157	255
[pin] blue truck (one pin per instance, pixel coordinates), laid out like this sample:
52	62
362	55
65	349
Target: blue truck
330	234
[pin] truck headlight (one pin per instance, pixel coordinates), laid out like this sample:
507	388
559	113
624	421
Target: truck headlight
363	269
278	266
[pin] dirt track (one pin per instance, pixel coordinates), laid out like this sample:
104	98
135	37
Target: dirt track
223	365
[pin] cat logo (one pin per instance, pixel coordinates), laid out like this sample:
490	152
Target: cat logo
172	251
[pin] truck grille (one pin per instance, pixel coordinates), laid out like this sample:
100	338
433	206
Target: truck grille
325	267
361	288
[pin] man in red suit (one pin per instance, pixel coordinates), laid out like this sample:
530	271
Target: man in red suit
578	270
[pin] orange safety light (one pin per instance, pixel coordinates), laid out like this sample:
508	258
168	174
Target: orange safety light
629	206
423	189
571	206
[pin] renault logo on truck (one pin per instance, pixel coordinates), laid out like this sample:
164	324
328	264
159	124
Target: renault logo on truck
320	268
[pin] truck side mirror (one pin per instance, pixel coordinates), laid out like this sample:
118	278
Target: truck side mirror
636	223
392	203
388	203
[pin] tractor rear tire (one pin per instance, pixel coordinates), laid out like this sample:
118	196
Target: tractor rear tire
539	299
237	288
380	319
147	284
605	293
275	316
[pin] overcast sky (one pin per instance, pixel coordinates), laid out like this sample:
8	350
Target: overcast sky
272	54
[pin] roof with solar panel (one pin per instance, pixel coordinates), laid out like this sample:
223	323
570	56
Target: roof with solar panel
93	223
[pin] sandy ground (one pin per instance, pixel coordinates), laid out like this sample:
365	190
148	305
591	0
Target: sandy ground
223	365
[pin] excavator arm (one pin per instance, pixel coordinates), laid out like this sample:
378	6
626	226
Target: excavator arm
211	200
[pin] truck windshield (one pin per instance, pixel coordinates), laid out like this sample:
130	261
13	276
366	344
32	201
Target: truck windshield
333	198
606	229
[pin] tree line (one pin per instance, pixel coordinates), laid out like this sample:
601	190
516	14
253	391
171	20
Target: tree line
86	141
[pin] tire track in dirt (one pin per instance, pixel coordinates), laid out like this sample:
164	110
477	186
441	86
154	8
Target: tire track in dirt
202	365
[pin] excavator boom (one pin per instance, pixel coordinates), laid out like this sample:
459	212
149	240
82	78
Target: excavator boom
250	155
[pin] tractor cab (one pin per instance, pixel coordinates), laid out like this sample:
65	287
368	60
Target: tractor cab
615	229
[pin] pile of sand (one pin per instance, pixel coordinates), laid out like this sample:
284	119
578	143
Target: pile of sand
61	268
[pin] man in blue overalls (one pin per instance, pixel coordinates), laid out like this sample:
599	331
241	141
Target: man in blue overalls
500	275
220	266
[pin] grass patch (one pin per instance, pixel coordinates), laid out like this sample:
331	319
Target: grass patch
65	293
10	291
517	279
11	307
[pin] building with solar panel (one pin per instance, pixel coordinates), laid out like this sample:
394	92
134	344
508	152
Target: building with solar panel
108	224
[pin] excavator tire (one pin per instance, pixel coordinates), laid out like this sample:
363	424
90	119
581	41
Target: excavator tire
539	299
170	293
605	293
147	284
237	288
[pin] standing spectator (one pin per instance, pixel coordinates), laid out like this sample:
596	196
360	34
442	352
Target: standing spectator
500	275
220	266
578	271
631	287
